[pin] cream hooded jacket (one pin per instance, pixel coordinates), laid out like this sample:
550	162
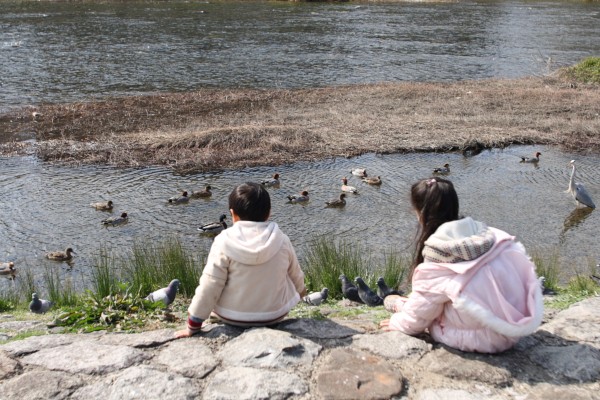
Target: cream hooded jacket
476	290
251	275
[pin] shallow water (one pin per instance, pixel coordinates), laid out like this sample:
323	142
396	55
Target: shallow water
45	207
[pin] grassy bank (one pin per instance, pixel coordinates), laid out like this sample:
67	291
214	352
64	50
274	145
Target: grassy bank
216	129
115	299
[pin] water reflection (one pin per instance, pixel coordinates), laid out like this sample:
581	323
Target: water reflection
47	207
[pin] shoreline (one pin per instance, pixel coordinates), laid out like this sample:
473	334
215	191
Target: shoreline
216	129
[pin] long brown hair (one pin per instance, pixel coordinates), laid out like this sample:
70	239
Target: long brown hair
436	202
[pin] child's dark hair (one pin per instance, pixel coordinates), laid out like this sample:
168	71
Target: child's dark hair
436	202
251	202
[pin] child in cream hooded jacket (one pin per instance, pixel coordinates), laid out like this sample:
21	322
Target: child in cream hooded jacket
476	290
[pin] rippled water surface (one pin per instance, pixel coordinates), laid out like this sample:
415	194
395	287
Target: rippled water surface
46	207
65	51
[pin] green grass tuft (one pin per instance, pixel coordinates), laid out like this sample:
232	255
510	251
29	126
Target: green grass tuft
586	71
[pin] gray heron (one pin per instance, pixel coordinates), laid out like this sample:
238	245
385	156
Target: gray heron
577	190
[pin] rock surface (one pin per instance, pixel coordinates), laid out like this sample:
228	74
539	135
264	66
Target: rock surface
304	359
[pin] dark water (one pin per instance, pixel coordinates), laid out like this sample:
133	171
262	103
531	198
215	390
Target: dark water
45	207
60	52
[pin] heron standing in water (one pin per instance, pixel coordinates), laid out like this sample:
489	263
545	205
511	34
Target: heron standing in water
577	190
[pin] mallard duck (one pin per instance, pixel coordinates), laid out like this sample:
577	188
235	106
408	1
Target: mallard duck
215	227
66	255
116	220
531	159
103	205
180	199
442	170
359	172
202	193
8	268
372	180
299	198
346	188
341	202
274	181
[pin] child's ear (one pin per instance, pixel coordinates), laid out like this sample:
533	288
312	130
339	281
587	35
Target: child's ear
234	217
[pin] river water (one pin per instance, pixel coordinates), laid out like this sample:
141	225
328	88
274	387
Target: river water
62	52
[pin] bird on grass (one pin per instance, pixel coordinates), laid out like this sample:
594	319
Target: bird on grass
349	290
442	170
66	255
103	205
383	290
359	171
365	293
202	193
341	202
113	221
531	160
578	191
180	199
546	291
270	182
316	298
372	180
214	227
299	198
166	294
39	306
347	188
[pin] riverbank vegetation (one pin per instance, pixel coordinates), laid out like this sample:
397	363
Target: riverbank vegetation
234	128
115	298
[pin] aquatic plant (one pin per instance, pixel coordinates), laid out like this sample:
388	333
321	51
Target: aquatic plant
60	293
547	264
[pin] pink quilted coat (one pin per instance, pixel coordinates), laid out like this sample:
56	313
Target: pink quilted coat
483	300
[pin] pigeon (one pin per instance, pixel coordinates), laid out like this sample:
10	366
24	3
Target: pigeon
39	306
383	290
316	298
369	297
546	291
112	221
349	290
166	294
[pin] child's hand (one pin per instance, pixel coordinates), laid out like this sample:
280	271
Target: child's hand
184	333
385	325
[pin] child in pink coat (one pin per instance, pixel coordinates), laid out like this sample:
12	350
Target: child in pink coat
473	287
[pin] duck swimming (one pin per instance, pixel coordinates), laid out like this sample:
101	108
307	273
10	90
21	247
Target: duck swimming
180	199
299	198
66	255
214	227
359	172
8	268
274	181
341	202
346	188
372	180
531	159
442	170
116	220
103	205
202	193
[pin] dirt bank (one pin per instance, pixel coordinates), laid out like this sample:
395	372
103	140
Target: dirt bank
214	129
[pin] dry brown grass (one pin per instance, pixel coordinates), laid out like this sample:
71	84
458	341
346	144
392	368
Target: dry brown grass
215	129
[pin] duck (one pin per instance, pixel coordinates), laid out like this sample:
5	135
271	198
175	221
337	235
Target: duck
116	220
531	159
274	181
346	188
180	199
103	205
341	202
372	180
66	255
8	268
299	198
442	170
359	172
202	193
214	227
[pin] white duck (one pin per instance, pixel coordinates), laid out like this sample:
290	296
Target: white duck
270	182
299	198
346	188
359	172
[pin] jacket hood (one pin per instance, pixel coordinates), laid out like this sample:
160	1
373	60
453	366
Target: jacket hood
252	243
456	241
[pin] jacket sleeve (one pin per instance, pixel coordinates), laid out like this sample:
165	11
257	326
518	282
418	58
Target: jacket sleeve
212	282
294	271
418	312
